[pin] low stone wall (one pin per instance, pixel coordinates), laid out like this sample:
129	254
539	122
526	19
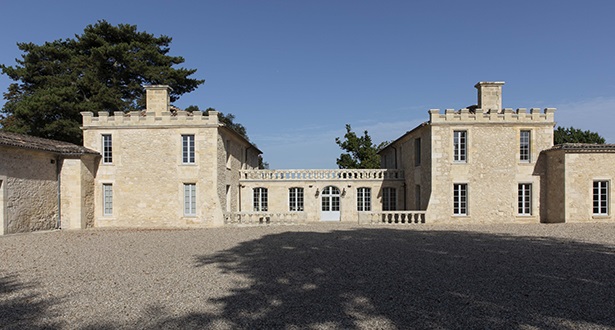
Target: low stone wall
392	217
264	218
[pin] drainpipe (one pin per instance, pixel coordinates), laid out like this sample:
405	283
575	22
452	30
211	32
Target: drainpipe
58	173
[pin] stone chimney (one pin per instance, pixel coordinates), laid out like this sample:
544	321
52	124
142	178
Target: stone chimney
490	95
157	99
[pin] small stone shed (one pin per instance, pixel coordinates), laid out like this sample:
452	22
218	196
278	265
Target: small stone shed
45	184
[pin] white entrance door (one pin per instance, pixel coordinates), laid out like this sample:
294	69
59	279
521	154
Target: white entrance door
330	204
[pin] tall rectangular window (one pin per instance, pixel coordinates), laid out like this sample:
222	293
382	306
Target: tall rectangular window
417	152
364	199
190	199
460	146
417	197
188	149
295	199
228	153
389	199
107	149
107	199
524	200
460	199
260	199
524	146
601	197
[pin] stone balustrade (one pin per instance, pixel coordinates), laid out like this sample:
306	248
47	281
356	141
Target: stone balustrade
322	175
392	217
506	115
264	218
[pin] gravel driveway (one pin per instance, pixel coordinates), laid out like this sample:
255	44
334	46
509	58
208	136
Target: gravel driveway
325	276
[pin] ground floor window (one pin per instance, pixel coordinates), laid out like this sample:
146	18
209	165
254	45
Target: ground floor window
190	199
601	197
295	199
107	199
364	199
524	200
330	199
389	199
260	199
460	199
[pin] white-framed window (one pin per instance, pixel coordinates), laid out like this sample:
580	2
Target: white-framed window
364	199
601	197
107	199
389	199
190	199
188	148
107	149
460	146
525	146
260	199
524	199
295	199
460	199
417	152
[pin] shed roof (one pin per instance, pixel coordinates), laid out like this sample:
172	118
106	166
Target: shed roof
37	143
584	147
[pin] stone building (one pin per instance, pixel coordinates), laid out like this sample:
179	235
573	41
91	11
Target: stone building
488	164
45	184
162	167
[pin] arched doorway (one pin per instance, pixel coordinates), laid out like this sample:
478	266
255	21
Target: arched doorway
330	204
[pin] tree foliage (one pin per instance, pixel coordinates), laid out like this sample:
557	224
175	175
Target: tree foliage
102	69
360	151
573	135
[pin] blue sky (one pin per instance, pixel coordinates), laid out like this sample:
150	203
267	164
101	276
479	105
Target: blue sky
295	72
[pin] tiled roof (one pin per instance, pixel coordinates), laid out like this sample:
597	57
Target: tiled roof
584	147
36	143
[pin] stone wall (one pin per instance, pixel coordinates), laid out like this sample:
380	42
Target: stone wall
581	170
77	191
492	170
29	190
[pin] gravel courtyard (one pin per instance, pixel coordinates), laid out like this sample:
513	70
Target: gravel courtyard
325	276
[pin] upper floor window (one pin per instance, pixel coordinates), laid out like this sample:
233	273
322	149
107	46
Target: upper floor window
524	146
417	197
364	199
460	146
524	199
260	199
417	152
228	153
460	199
107	149
389	199
601	198
188	149
295	199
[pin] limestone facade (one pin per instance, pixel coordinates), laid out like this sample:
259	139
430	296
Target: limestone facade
44	184
579	183
467	165
165	169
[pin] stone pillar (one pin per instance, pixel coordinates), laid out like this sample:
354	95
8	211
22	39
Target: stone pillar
157	99
490	95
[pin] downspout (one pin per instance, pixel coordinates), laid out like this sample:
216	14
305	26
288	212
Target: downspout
58	173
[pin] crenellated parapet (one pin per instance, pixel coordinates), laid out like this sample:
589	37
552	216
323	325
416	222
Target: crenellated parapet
150	119
507	115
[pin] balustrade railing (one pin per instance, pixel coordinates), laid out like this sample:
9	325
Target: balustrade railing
346	174
392	217
264	218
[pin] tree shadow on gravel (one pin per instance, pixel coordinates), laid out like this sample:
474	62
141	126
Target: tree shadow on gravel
21	308
415	279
